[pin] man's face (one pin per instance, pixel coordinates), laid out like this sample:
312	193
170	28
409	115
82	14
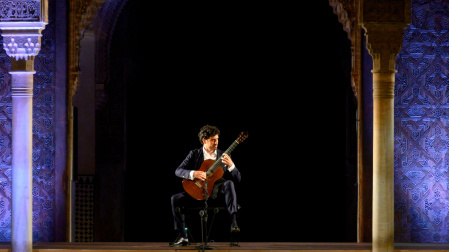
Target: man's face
211	144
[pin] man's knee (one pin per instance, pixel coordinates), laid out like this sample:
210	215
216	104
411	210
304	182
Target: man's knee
228	185
175	198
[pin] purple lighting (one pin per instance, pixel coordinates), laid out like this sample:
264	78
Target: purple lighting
27	120
421	128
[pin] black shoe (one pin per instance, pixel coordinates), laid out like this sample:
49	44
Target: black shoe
180	241
234	227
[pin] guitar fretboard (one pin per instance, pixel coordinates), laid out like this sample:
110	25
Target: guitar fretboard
217	163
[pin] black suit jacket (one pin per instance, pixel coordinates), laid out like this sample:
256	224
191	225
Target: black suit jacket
194	160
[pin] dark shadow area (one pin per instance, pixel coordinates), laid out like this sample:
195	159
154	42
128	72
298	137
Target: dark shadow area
266	69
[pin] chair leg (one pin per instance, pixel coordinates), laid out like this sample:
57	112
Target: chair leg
187	229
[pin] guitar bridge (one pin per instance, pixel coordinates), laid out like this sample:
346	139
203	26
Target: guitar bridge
198	184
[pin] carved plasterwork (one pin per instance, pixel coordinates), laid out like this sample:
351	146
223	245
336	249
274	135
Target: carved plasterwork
384	51
21	47
24	10
346	11
343	10
82	12
384	22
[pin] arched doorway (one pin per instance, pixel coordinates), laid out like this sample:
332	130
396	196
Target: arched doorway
240	68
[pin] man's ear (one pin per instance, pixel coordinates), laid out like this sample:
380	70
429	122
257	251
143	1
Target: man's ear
204	141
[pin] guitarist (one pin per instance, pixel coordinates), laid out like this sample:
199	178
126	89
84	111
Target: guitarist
223	191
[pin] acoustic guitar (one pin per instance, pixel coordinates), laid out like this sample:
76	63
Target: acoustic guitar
197	188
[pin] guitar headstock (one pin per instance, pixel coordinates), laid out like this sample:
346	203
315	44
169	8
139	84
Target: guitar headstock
242	137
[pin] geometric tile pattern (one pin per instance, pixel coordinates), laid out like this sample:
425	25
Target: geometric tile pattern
421	133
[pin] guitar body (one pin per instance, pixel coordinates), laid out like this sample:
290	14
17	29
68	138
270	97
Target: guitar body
196	188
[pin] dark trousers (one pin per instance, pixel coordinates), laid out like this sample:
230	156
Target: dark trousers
226	196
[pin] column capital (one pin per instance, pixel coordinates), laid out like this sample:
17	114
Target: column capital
21	43
384	22
21	23
384	41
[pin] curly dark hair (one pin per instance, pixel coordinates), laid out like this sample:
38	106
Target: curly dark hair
208	131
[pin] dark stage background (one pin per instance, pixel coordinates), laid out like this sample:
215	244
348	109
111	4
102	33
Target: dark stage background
280	72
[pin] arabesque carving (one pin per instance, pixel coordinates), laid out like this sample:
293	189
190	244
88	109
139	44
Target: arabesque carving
82	12
21	47
25	10
347	16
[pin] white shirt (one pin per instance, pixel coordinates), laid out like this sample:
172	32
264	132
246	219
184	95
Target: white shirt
212	156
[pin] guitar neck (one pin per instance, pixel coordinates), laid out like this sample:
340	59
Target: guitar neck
217	163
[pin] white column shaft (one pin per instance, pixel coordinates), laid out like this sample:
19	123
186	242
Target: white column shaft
22	162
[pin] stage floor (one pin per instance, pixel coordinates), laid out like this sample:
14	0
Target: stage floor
222	247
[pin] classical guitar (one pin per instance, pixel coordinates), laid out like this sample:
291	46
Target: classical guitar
197	188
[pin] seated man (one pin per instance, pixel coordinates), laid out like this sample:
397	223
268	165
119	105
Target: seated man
223	190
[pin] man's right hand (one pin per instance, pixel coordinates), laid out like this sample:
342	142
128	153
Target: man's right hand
199	175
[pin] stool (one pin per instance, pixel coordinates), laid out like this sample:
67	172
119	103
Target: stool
205	229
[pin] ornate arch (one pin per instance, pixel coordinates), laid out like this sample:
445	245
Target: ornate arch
81	15
84	15
100	15
105	22
346	11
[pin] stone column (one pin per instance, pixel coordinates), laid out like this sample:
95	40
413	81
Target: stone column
21	33
384	40
384	54
22	162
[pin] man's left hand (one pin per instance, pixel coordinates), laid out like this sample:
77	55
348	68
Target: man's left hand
226	159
